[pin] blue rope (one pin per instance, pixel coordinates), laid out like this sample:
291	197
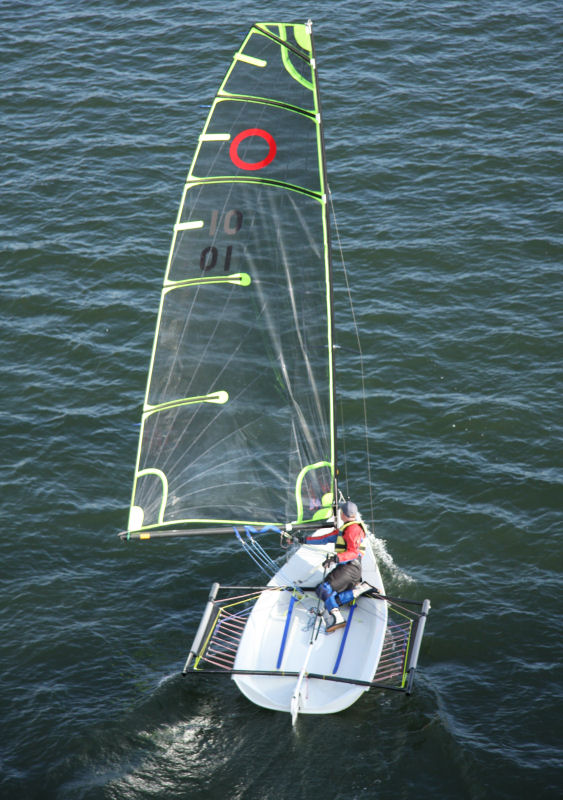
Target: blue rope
254	554
257	553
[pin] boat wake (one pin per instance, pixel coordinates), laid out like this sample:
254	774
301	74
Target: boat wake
385	560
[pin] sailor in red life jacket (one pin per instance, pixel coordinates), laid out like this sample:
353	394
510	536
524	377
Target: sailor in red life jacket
337	588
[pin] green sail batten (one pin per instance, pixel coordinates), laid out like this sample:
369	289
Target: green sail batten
227	97
239	279
256	62
224	96
193	181
216	397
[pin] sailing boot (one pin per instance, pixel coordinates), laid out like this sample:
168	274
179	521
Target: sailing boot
333	620
361	588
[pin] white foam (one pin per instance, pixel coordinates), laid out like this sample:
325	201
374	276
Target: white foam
385	559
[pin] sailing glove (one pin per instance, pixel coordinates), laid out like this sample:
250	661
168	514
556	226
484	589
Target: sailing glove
332	559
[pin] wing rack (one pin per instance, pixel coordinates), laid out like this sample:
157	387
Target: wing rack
216	642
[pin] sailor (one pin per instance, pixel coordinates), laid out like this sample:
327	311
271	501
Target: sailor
338	586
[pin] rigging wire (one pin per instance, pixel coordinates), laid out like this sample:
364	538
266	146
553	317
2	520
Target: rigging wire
360	353
257	553
344	449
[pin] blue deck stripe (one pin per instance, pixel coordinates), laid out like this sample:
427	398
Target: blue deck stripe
286	630
343	642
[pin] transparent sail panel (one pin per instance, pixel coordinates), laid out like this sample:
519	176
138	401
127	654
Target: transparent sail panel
266	148
266	70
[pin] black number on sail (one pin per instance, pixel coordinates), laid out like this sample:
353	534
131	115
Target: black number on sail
203	264
208	258
232	222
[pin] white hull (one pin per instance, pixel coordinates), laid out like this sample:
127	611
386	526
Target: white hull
271	643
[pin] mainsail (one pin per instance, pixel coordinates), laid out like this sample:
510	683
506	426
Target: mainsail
238	419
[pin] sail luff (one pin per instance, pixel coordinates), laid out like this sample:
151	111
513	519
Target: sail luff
330	279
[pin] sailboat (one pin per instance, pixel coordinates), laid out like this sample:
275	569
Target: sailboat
238	430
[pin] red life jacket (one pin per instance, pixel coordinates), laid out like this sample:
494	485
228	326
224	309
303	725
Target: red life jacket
341	546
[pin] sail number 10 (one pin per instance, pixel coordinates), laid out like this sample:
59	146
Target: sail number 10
232	224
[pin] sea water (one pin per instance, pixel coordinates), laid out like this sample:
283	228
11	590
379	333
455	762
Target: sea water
443	124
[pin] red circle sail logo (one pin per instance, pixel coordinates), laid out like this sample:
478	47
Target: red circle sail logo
238	161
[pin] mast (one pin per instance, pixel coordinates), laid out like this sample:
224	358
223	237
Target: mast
328	264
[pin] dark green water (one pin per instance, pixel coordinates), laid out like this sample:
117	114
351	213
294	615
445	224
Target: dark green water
444	137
